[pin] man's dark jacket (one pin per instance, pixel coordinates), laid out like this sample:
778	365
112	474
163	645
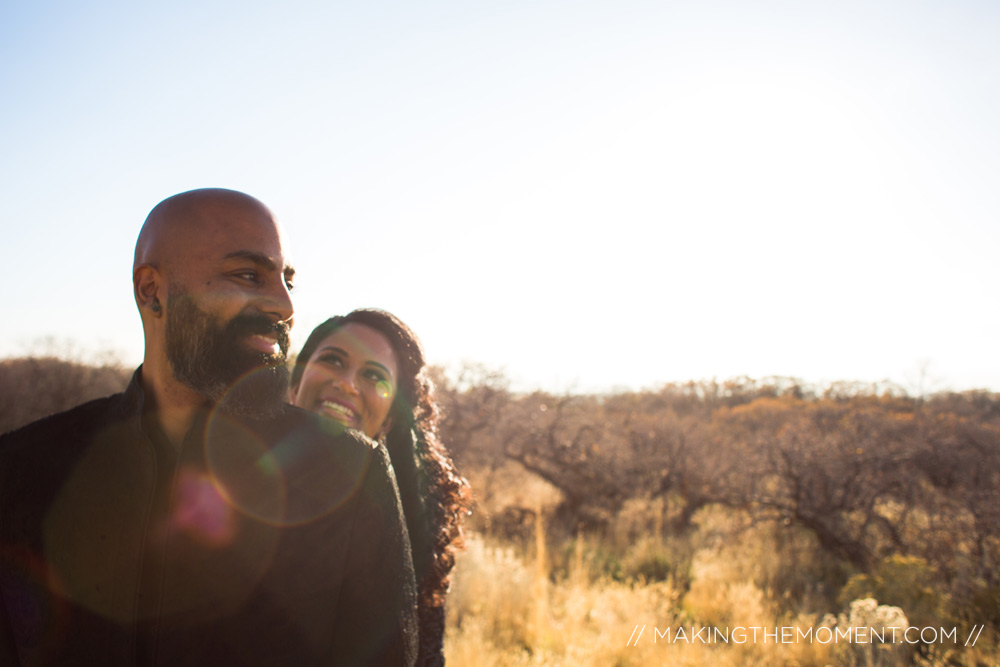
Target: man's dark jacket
266	542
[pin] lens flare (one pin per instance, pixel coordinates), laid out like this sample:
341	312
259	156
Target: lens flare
383	388
295	477
243	469
200	509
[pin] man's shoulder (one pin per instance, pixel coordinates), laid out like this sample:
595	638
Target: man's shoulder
322	465
74	423
302	423
36	458
318	439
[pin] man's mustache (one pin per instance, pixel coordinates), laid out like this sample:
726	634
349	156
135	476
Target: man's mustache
248	324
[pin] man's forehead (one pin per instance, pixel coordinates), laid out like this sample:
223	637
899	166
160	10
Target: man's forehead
236	233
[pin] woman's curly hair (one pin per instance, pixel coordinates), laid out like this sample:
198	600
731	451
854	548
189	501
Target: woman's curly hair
435	496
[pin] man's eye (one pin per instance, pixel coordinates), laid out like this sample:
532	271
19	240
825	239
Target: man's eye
247	275
289	286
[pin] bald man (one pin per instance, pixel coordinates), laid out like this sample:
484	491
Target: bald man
196	519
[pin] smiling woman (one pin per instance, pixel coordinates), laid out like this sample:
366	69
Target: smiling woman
351	379
366	371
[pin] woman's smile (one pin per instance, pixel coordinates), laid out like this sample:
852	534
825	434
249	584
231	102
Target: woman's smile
340	411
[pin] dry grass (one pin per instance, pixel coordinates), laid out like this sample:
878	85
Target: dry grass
505	611
511	606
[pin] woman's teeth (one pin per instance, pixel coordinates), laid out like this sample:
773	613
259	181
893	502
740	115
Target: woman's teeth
340	409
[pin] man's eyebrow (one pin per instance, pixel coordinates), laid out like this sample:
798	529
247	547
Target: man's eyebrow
260	260
257	258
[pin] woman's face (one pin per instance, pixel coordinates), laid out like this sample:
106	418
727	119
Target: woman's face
351	378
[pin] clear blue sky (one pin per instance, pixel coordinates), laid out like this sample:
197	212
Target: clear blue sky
586	194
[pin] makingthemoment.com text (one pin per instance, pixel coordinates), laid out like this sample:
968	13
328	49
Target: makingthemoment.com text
797	635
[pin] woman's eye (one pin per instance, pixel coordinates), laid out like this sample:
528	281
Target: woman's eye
332	360
375	376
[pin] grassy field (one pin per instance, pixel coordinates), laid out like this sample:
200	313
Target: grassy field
660	600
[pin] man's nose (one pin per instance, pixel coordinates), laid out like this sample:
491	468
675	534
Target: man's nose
279	303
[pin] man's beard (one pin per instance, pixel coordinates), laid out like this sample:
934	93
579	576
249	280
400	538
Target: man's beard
213	359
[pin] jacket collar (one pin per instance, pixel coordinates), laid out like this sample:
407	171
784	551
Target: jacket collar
130	403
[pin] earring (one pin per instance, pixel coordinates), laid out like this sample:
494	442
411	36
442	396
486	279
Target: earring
156	306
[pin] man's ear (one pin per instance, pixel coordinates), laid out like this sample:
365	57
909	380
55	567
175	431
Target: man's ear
147	287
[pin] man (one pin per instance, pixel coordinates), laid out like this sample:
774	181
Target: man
196	519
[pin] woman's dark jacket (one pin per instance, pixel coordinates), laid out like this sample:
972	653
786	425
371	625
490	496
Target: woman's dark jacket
264	542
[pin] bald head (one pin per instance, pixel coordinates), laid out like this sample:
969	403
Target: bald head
176	222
